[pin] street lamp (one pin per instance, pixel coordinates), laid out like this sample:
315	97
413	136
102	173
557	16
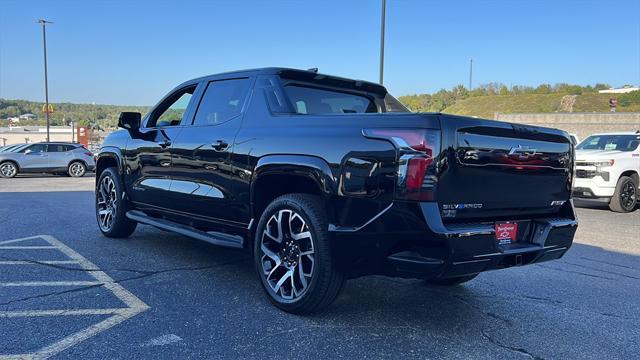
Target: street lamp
470	73
382	21
46	82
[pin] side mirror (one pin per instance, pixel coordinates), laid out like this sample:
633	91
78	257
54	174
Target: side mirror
129	120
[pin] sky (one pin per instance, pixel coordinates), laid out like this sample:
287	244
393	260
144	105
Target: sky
134	52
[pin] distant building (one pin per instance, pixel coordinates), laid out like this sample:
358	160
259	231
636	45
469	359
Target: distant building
622	90
28	117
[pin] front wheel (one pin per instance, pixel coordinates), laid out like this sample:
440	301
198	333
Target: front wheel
111	207
292	255
625	198
8	169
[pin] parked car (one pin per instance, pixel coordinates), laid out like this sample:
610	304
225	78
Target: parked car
575	139
52	157
324	178
608	169
9	148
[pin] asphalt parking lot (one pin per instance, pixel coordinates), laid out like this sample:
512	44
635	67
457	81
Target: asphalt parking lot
67	292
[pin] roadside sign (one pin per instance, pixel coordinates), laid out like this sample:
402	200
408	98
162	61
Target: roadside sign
46	109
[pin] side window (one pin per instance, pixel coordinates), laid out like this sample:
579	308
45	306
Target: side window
56	148
35	148
171	111
308	100
222	101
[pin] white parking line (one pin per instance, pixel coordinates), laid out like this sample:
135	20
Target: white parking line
27	247
118	315
50	283
50	262
78	312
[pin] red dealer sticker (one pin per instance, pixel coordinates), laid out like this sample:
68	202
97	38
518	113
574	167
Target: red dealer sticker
506	233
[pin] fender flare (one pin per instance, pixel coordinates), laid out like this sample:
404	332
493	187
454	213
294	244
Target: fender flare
111	152
315	168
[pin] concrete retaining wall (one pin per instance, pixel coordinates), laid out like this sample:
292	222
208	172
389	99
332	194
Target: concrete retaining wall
582	124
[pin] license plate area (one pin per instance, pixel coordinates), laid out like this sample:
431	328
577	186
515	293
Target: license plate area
506	233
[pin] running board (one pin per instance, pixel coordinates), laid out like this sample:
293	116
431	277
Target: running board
211	237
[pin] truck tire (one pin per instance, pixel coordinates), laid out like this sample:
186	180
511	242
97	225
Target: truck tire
111	208
625	198
292	255
8	169
451	281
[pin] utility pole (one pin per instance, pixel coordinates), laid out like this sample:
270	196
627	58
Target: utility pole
470	73
46	80
384	7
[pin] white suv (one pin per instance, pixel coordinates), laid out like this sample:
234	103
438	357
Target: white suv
608	169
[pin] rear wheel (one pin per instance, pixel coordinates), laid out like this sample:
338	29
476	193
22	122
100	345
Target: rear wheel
77	169
8	169
625	198
292	255
451	281
111	208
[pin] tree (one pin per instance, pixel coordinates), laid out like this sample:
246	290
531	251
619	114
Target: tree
543	89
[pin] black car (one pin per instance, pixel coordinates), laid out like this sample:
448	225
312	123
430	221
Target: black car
324	178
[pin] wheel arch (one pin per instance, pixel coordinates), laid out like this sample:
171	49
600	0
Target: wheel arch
277	175
632	174
108	157
14	162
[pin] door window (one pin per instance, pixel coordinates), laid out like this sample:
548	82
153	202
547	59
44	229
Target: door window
172	110
35	148
222	101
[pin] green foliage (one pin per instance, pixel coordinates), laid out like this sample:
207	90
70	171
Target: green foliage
104	116
629	99
487	99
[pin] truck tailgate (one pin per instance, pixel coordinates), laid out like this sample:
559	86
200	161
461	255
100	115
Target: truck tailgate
496	169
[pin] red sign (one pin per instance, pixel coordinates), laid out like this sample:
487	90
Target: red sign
83	135
506	233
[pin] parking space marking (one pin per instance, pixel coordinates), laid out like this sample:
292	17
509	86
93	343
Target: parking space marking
50	262
18	240
50	283
26	247
79	312
118	315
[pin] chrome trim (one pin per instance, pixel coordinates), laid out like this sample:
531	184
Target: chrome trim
336	228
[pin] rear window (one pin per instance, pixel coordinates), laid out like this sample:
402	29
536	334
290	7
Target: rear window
308	100
59	148
610	142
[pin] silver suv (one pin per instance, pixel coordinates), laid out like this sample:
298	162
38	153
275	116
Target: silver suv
52	157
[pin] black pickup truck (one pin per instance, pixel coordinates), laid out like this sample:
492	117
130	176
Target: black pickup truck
324	178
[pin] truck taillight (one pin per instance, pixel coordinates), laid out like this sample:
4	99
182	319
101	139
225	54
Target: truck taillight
417	150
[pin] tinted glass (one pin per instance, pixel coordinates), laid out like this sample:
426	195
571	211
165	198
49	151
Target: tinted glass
170	112
393	105
36	148
57	148
222	101
610	142
307	100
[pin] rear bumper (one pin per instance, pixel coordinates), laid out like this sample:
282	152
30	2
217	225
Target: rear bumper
472	248
435	250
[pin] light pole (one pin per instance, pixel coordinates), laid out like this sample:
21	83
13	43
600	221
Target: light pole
470	73
46	81
382	21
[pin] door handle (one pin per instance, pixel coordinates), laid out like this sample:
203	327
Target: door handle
165	143
220	145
